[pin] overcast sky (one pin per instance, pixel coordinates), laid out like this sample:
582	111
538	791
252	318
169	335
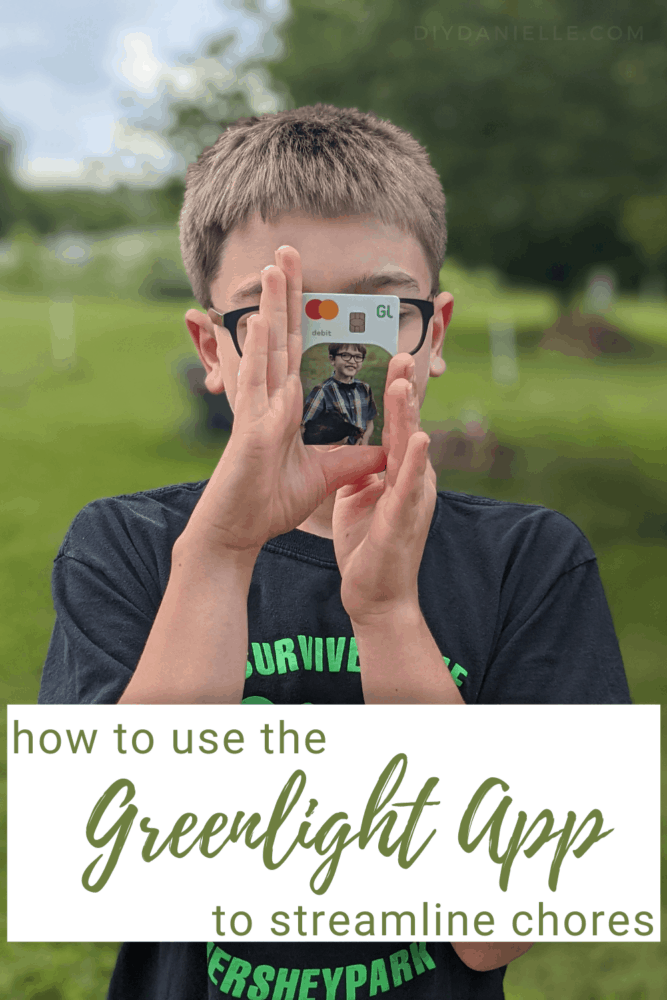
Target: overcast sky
64	66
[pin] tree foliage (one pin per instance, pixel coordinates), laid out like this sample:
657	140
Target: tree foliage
71	209
192	103
543	117
546	120
221	93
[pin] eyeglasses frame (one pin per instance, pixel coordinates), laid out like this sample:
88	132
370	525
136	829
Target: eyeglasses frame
350	358
230	319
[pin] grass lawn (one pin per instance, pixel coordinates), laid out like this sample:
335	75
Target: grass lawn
588	438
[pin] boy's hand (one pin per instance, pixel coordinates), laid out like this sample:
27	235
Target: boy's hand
267	481
380	525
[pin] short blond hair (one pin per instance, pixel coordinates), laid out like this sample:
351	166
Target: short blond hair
322	160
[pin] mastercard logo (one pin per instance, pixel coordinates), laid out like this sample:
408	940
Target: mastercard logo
321	309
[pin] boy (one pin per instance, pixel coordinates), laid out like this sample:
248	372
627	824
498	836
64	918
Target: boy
314	573
343	395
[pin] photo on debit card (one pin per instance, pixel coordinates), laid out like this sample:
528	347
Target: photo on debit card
348	341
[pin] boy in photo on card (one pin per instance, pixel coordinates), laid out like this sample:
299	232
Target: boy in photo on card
203	592
344	397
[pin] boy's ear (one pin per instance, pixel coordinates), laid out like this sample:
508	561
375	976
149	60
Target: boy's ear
203	332
443	305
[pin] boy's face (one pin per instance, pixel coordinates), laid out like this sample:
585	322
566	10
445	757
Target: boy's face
347	362
353	254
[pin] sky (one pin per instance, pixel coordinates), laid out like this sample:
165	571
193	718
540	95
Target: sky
66	67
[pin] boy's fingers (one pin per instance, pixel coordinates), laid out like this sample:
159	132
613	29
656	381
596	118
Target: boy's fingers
345	465
400	366
359	486
360	496
402	424
288	259
408	494
251	382
273	307
430	471
388	437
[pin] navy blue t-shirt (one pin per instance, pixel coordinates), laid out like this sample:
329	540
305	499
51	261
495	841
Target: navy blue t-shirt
512	596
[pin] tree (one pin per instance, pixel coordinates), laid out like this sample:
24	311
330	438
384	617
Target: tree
539	136
645	221
197	98
12	203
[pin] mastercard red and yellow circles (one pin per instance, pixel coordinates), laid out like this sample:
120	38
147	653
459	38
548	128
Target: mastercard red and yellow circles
321	309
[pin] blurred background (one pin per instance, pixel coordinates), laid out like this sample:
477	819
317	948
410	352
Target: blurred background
547	121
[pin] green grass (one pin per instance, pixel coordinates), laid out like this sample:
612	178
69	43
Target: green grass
588	436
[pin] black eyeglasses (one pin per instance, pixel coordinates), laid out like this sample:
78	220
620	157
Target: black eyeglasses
414	318
353	358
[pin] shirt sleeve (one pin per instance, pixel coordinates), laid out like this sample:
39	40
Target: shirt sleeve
314	404
564	651
106	592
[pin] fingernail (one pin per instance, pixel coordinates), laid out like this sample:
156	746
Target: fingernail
285	246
